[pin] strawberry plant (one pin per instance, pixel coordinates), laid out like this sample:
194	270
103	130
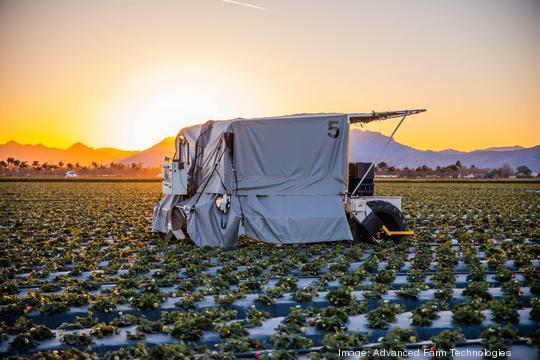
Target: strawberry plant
77	339
503	274
286	341
375	291
232	330
23	342
81	322
53	307
504	311
239	345
331	318
380	317
288	282
498	338
147	301
385	276
353	279
49	287
124	320
394	342
9	288
512	288
40	332
269	297
445	341
101	330
424	314
103	304
411	290
256	317
186	329
468	314
535	309
190	300
341	296
341	340
296	316
304	295
3	331
477	290
150	327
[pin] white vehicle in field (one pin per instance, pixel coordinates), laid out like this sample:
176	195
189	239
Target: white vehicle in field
71	174
284	180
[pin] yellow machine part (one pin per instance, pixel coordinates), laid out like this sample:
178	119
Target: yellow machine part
392	233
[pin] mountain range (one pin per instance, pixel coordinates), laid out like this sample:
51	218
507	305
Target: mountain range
365	146
76	153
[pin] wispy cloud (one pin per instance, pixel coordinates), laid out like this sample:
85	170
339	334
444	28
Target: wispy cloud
246	5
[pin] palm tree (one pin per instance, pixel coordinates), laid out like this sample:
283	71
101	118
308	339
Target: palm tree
60	164
35	165
23	164
10	161
382	165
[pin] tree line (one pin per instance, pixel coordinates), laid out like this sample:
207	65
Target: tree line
15	167
457	170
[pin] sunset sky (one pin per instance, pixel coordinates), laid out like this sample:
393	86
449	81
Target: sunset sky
127	73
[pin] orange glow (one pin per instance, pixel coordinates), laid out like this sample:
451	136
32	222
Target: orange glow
128	74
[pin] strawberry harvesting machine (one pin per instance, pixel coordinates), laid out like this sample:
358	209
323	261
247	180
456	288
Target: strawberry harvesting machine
284	180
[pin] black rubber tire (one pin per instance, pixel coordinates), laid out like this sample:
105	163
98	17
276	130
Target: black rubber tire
390	216
358	232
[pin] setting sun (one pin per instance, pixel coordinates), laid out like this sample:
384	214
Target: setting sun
157	105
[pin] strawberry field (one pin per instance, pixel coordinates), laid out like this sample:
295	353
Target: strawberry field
81	276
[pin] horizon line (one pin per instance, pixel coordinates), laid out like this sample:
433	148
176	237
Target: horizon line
173	136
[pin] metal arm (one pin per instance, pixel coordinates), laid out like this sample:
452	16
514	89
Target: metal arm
380	154
374	116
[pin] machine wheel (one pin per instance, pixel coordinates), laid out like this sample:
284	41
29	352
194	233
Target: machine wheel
391	217
358	232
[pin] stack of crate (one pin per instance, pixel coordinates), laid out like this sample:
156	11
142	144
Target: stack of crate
356	172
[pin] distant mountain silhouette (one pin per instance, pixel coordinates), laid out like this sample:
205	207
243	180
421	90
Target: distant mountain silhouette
365	146
77	153
153	156
505	148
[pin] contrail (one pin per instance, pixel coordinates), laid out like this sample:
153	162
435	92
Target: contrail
246	4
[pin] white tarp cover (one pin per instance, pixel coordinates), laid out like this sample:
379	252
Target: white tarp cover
290	177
